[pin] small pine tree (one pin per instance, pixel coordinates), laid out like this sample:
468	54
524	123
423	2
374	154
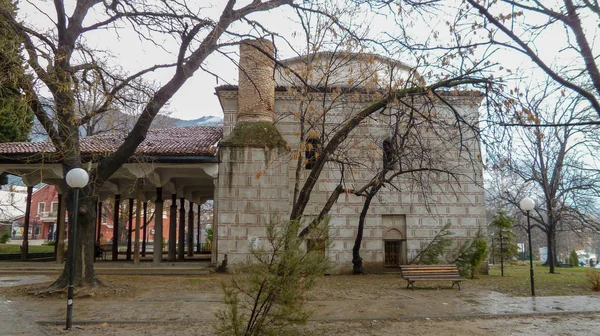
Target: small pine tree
471	255
506	247
265	297
433	252
574	259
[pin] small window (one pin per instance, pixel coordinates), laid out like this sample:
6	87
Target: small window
41	208
311	153
54	207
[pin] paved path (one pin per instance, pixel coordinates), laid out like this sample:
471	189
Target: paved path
22	318
13	323
195	267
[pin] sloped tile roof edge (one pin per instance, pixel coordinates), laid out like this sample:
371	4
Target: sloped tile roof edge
190	141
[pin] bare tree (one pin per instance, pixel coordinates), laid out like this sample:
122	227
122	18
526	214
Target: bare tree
525	27
420	157
59	59
354	104
552	164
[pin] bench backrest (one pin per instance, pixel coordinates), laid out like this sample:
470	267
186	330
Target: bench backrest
425	270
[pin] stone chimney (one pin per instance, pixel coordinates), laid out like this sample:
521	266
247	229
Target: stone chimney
256	88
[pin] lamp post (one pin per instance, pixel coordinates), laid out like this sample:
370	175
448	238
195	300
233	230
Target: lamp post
493	251
527	204
77	178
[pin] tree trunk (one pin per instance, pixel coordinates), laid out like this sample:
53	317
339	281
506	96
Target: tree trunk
357	267
551	256
85	239
501	254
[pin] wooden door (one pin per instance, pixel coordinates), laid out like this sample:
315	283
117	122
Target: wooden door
392	253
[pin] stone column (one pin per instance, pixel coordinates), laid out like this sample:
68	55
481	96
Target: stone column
144	237
115	242
214	248
138	225
99	228
173	229
199	229
158	228
181	246
130	229
190	233
59	235
25	246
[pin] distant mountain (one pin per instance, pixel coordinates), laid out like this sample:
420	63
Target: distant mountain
202	121
122	123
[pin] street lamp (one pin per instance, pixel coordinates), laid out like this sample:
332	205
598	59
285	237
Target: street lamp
493	251
77	178
527	204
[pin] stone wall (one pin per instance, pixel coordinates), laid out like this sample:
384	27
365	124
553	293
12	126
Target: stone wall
257	183
245	201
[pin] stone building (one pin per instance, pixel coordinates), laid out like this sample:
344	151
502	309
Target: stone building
278	122
257	174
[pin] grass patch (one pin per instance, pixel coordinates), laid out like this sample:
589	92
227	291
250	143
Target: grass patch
516	281
196	281
9	248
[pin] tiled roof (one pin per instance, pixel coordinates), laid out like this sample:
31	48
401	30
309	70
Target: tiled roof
179	141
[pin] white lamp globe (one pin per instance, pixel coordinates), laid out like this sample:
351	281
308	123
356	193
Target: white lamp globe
77	178
527	204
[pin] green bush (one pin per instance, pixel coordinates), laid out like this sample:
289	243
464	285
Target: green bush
5	238
471	255
266	296
209	234
51	243
435	250
574	259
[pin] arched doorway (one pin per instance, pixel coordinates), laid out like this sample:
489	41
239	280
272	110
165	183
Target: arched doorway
395	249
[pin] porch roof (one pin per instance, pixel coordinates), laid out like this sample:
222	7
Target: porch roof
191	141
180	160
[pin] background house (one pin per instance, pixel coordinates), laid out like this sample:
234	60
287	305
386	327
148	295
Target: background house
12	207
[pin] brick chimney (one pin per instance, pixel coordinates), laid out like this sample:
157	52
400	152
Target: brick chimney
256	88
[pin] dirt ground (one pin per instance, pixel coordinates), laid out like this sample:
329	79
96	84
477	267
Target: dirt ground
341	305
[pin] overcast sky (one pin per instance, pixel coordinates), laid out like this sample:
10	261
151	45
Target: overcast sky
196	98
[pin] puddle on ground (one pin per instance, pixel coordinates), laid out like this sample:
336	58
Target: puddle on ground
23	280
497	303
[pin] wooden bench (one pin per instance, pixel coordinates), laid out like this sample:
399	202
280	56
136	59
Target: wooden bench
412	273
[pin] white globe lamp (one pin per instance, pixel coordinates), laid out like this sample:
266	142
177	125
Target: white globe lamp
527	204
77	178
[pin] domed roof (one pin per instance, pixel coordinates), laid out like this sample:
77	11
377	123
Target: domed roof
345	70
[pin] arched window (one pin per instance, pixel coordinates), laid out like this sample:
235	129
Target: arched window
389	154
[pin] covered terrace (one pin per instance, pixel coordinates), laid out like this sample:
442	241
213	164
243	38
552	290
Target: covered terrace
180	164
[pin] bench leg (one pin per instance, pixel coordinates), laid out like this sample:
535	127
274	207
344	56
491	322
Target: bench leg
457	283
410	284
